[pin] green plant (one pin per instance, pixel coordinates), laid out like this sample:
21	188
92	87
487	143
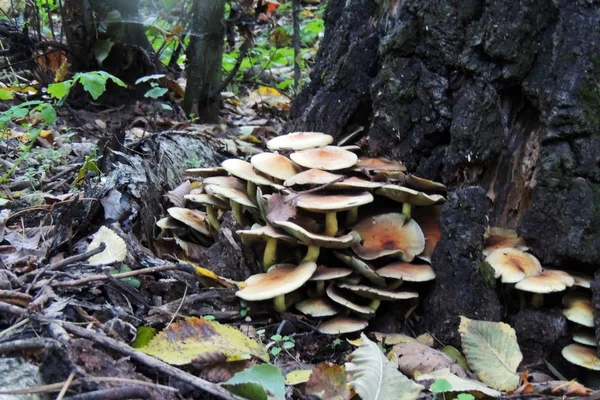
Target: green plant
94	82
280	343
245	308
336	342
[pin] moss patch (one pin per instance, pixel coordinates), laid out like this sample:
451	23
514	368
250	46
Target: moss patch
487	274
589	97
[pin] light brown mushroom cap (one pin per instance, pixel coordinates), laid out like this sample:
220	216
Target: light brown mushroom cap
498	238
581	280
422	184
513	265
232	194
244	170
379	164
268	231
275	165
206	172
389	234
341	325
334	294
225	181
406	195
169	223
279	280
299	141
407	272
308	238
585	336
317	307
328	158
324	273
321	203
362	268
356	183
579	309
195	219
546	281
312	177
115	250
583	356
427	218
206	199
377	293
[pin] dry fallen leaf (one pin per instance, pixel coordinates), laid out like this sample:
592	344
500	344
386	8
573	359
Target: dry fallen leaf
279	210
328	382
416	358
176	196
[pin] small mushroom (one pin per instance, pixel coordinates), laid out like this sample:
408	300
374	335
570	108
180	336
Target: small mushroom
280	280
339	325
193	218
422	184
275	165
377	294
244	170
581	280
409	197
271	235
171	224
579	309
299	141
312	177
324	273
335	294
498	238
513	265
378	164
236	198
583	356
331	204
362	268
317	307
206	172
353	182
547	281
407	272
329	158
389	234
585	336
225	181
427	218
210	202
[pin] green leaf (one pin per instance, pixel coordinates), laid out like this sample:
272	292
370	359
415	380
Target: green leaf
492	352
168	4
102	49
446	381
6	94
93	83
156	92
275	350
288	345
440	386
454	354
143	337
47	112
61	89
261	382
147	78
465	396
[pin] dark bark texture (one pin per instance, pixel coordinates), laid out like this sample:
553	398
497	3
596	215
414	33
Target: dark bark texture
501	94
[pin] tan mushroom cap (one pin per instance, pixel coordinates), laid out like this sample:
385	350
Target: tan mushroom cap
169	223
422	184
317	307
308	238
206	172
195	219
225	181
356	183
362	268
427	218
585	336
244	170
581	280
389	234
206	199
341	325
334	294
579	309
321	203
513	265
268	231
279	280
498	238
312	177
583	356
407	272
299	141
235	195
546	281
406	195
275	165
377	293
115	250
379	164
328	158
324	273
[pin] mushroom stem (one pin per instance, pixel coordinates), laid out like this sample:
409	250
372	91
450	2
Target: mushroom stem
320	288
351	216
312	253
537	300
375	304
331	223
406	210
279	303
212	217
238	214
270	254
251	190
395	285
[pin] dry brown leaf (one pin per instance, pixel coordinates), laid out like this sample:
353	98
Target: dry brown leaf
328	382
415	358
555	388
279	210
223	371
176	196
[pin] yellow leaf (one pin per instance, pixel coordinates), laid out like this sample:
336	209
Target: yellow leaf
354	342
205	273
297	377
45	133
268	91
203	341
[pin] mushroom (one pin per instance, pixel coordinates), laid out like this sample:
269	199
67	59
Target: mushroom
407	272
244	170
271	235
497	238
275	165
378	164
427	218
171	224
314	241
341	325
361	268
225	181
377	294
513	265
409	197
334	294
356	183
583	356
330	204
206	172
317	307
280	280
329	158
312	177
579	309
237	199
422	184
389	234
585	336
324	273
299	141
193	218
581	280
210	202
547	281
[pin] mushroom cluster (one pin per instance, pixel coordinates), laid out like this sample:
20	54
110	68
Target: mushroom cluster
337	233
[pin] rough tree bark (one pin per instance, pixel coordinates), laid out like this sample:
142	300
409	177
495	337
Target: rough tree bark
502	94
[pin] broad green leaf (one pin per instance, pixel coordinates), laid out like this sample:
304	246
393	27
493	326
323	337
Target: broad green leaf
454	354
261	382
4	202
465	396
149	78
93	83
6	94
197	339
156	92
446	381
374	377
47	112
492	352
111	77
143	337
61	89
102	49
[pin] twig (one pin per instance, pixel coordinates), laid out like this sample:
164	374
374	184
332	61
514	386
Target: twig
315	189
120	393
10	309
65	387
28	344
151	362
14	327
77	257
178	308
243	50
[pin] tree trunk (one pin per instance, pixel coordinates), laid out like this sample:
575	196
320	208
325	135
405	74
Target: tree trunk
79	31
502	94
204	60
